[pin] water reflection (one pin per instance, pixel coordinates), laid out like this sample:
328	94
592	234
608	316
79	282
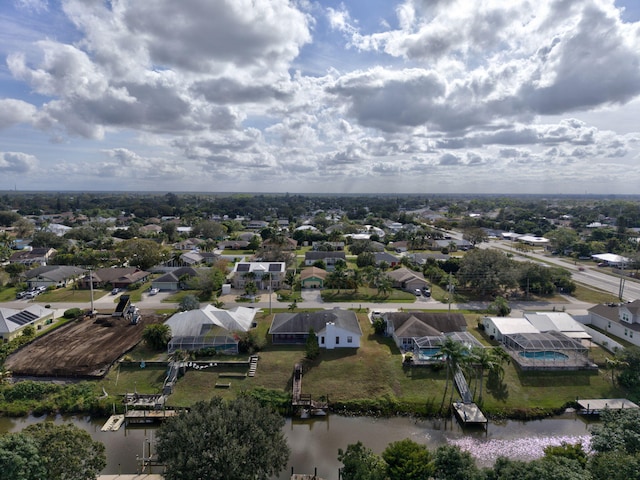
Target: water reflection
314	443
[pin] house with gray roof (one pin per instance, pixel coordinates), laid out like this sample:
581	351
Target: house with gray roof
329	258
621	320
404	327
53	276
175	279
406	279
209	327
334	328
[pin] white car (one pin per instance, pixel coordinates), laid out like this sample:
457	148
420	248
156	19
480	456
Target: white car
154	291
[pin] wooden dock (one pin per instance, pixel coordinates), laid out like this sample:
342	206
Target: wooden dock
303	401
148	416
113	424
594	406
469	413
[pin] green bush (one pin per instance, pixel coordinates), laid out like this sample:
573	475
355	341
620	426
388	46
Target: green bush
72	313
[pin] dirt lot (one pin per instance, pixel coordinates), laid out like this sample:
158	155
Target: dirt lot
84	348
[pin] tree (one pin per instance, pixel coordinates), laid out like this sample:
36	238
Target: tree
500	307
452	353
365	259
407	460
487	271
67	452
235	440
23	228
141	253
619	430
451	463
360	463
562	239
474	235
312	349
157	336
189	302
19	458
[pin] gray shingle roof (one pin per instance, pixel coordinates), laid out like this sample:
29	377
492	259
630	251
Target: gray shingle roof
300	323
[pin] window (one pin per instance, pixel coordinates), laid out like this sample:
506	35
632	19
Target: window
349	339
322	340
337	340
625	332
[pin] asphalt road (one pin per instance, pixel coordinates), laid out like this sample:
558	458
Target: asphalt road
593	276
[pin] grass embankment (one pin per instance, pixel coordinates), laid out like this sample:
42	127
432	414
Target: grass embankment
373	380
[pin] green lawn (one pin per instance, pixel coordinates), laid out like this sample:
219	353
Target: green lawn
366	294
371	375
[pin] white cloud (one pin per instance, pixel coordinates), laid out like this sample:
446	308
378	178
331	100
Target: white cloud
16	162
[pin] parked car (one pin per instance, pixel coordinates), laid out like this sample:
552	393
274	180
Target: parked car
41	289
426	293
20	295
418	292
154	291
30	295
115	291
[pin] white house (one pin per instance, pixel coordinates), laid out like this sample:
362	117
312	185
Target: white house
13	321
334	328
498	327
618	320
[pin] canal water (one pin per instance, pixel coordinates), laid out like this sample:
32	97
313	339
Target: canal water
314	443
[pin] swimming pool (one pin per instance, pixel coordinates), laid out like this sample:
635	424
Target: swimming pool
429	354
544	355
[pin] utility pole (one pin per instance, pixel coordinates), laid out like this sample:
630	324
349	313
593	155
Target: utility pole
622	282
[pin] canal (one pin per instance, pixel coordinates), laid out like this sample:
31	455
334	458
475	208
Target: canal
314	443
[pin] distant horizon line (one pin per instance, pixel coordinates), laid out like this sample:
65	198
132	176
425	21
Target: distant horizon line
327	194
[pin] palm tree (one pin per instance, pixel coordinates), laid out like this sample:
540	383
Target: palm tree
452	353
484	359
385	285
614	364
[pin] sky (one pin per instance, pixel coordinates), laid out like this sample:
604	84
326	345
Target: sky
321	96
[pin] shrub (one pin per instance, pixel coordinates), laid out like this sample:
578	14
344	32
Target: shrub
72	313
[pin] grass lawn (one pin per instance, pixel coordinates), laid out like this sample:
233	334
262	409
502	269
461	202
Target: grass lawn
590	295
372	374
366	294
69	295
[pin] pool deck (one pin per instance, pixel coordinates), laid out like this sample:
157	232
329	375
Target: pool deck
593	406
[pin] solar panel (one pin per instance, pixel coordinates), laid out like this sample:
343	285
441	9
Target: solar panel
274	267
243	267
22	318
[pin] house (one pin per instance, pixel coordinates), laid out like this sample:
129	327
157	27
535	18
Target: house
209	327
384	257
621	320
404	327
498	327
559	322
122	277
329	258
175	279
462	245
328	246
188	244
335	328
233	245
408	280
424	258
191	258
263	274
31	256
284	243
53	276
13	322
400	246
257	224
313	277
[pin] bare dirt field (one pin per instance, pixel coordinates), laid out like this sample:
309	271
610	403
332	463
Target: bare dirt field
84	348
